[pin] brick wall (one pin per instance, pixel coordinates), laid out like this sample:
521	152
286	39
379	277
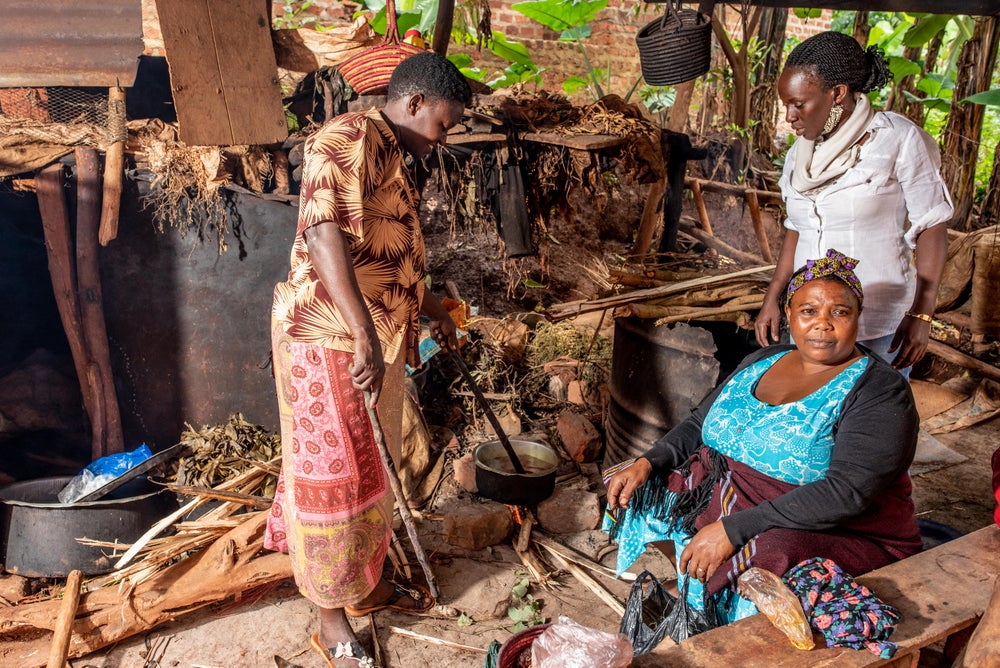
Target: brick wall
611	46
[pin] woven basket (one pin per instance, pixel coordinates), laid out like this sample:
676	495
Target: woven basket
676	47
369	72
518	644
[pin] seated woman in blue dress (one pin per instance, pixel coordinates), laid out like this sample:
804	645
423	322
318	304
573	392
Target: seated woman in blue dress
803	452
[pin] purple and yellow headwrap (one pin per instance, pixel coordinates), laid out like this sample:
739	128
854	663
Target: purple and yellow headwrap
836	265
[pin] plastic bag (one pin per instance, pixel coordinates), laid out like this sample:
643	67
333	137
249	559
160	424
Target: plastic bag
652	613
567	644
779	604
101	471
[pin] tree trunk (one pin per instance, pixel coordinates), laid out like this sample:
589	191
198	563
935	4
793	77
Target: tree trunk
901	103
965	121
677	119
862	28
763	96
990	212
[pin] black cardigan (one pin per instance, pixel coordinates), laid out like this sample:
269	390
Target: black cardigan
874	442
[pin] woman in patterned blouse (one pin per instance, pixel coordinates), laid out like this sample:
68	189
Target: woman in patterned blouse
803	452
344	323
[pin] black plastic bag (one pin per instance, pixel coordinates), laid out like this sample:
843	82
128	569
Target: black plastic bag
652	613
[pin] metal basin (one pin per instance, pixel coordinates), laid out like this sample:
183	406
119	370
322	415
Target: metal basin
38	534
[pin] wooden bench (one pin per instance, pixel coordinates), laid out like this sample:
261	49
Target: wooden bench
940	593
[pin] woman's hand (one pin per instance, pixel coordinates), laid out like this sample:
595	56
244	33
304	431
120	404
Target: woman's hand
368	369
624	483
708	550
911	340
445	331
768	323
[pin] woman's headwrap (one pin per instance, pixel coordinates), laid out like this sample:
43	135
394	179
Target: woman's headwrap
835	264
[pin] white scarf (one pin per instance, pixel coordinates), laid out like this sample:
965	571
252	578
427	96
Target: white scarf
818	163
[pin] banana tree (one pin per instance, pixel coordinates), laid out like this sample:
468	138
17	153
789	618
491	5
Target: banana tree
572	21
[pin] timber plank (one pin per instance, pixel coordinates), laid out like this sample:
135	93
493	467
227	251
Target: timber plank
971	7
582	142
223	72
938	592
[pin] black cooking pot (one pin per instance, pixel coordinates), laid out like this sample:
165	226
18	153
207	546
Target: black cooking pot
38	534
496	479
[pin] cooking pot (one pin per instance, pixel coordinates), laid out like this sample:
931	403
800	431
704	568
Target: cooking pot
38	534
496	479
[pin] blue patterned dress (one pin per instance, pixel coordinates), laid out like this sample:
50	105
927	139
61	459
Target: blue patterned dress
789	442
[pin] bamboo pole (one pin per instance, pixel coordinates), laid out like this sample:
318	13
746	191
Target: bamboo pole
64	622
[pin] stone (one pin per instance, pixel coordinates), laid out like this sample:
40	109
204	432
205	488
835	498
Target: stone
580	438
14	587
475	525
465	472
569	510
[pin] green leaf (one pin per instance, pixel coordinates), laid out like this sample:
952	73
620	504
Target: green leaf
560	15
464	620
460	60
528	283
808	12
987	97
519	590
926	28
575	34
902	67
514	52
573	84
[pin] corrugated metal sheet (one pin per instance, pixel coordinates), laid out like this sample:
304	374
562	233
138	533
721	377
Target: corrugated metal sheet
69	42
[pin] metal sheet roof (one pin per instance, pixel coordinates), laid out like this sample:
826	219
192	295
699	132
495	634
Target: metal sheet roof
69	42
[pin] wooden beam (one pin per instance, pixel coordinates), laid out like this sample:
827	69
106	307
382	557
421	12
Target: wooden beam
582	142
971	7
949	354
442	26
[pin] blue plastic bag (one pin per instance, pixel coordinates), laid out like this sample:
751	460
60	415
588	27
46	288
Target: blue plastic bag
102	471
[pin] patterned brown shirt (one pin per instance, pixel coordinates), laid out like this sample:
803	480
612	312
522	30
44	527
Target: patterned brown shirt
354	176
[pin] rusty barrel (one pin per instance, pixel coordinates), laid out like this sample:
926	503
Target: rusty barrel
659	374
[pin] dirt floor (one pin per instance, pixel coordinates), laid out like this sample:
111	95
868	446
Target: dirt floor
951	487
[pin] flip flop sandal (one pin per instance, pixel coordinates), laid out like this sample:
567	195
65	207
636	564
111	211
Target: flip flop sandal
419	594
352	650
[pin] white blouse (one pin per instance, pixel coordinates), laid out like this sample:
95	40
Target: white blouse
874	212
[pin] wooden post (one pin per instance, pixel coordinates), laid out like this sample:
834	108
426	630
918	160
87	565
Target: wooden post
758	226
64	622
108	437
442	26
699	200
652	213
114	162
58	245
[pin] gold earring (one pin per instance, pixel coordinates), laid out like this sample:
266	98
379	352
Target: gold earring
836	113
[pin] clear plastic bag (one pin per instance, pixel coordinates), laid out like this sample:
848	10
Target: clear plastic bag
102	471
779	604
567	644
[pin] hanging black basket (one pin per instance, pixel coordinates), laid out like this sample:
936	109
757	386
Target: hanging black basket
676	47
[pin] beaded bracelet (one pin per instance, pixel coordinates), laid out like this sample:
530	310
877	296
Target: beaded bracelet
920	316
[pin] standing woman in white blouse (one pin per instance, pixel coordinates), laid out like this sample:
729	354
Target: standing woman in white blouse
864	182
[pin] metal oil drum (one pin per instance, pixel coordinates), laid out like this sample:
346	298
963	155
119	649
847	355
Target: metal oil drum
659	374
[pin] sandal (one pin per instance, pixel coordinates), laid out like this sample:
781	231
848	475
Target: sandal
419	594
343	650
